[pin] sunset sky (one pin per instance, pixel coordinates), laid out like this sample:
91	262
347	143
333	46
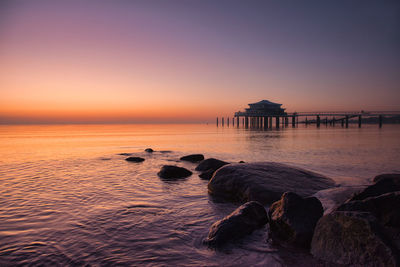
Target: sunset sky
190	61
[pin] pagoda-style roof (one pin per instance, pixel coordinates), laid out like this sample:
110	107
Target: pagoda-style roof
266	102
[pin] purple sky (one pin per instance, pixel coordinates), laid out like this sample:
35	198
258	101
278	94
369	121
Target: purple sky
194	60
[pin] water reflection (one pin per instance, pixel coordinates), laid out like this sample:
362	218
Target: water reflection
69	197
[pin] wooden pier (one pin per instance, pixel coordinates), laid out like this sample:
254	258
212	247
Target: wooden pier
265	121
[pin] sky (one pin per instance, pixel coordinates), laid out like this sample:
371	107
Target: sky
194	60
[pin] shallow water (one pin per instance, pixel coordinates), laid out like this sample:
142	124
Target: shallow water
68	198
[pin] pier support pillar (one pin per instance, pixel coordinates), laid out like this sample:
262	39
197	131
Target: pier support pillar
237	121
246	122
326	121
233	122
277	122
265	122
294	121
222	123
333	121
342	121
318	121
306	122
286	121
270	122
359	121
227	121
217	121
380	121
347	121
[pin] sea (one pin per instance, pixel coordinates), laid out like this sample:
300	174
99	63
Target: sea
69	198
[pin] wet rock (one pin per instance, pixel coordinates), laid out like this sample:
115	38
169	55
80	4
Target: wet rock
149	150
209	166
242	161
193	158
125	154
173	172
264	182
135	159
206	175
384	183
391	176
292	219
333	197
352	238
386	208
243	221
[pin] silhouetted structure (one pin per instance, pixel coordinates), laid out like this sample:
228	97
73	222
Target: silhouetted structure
261	114
262	108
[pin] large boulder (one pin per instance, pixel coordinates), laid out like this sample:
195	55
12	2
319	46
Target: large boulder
384	183
173	172
352	238
149	150
391	176
135	159
386	208
292	219
193	158
209	166
264	182
241	222
333	197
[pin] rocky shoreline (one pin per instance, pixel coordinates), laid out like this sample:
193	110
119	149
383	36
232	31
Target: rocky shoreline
362	229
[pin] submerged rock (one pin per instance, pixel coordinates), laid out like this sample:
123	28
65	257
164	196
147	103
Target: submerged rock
352	238
243	221
149	150
264	182
292	219
384	183
125	154
209	166
135	159
193	158
173	172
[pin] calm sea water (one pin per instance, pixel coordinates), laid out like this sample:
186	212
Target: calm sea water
68	198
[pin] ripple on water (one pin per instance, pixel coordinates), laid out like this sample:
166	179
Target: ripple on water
70	199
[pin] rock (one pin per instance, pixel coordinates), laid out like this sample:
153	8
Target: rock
352	238
173	172
292	219
210	163
206	175
333	197
264	182
392	176
149	150
243	221
242	161
135	159
384	183
209	166
386	208
125	154
193	158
